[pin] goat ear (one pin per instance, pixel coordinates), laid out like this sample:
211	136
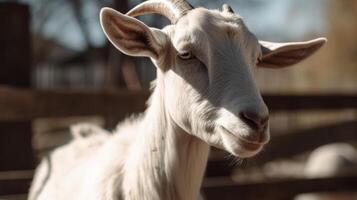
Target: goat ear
129	35
279	55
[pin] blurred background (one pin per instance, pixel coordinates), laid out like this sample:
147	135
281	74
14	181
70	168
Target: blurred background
58	69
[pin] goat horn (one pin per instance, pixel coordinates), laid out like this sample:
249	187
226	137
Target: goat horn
172	9
227	8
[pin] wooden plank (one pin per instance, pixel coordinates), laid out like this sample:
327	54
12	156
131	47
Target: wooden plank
15	175
22	104
224	189
14	197
14	182
12	187
310	102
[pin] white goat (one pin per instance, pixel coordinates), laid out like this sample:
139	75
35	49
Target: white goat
328	161
204	96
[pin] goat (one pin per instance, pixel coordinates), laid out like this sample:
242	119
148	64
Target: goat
328	161
204	95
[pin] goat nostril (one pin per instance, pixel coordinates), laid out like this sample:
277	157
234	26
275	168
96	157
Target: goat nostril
254	120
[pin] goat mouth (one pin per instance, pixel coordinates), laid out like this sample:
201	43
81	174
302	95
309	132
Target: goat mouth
243	144
250	146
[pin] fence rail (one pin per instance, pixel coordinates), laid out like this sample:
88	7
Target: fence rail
225	189
276	190
25	104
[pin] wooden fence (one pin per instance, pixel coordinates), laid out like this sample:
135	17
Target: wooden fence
25	104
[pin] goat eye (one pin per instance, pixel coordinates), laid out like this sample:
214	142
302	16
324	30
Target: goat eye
185	55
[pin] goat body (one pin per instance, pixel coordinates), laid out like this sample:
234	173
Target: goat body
156	162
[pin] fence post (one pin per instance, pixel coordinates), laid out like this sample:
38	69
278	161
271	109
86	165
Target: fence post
15	65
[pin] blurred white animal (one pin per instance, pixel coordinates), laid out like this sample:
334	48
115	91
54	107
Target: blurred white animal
205	95
328	161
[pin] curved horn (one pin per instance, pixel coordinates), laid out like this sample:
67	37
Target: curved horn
227	8
172	9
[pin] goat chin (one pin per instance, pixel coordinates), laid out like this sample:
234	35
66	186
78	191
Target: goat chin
239	147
